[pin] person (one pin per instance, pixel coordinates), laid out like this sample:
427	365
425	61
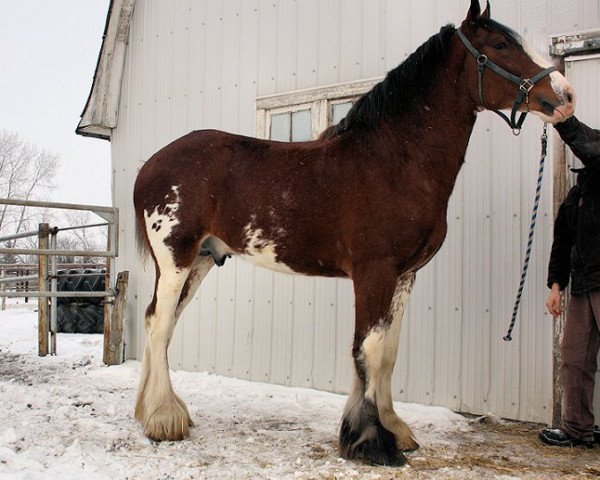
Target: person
575	255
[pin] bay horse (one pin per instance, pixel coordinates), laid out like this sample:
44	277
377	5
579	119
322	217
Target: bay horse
366	201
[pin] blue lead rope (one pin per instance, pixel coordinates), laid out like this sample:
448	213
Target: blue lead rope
536	205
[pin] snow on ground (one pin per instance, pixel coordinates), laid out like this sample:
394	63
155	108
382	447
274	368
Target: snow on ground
70	417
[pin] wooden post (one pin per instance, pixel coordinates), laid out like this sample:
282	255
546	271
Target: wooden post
53	289
43	305
109	302
113	325
26	286
557	386
3	287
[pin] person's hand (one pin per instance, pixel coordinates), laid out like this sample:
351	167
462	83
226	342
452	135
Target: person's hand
554	301
563	118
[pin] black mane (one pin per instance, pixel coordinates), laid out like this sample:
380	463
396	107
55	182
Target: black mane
401	89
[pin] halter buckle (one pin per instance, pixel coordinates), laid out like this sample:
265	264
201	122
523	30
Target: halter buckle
482	60
526	85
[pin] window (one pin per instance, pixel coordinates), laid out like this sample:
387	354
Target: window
303	115
291	125
339	110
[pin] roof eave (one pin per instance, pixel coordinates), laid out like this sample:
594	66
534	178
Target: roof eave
101	111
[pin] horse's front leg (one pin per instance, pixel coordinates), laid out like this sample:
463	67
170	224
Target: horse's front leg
371	430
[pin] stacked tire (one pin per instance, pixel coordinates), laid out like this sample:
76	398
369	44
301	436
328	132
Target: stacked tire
81	314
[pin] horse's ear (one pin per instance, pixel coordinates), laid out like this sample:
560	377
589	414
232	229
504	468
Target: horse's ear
474	11
486	13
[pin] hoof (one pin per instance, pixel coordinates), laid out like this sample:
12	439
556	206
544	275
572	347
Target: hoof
160	427
374	445
409	446
168	422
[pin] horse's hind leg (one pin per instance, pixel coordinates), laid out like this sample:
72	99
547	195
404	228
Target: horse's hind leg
198	271
162	413
371	430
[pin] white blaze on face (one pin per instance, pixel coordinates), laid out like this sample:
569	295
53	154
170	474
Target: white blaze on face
560	84
262	251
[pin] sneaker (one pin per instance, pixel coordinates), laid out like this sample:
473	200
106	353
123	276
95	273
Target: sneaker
560	438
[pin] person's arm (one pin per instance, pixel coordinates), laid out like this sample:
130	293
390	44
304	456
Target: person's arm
559	266
583	141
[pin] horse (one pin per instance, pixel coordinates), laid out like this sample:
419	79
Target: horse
366	201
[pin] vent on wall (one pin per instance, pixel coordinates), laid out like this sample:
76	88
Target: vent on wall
575	43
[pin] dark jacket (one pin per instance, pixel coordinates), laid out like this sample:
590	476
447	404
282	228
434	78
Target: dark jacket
576	246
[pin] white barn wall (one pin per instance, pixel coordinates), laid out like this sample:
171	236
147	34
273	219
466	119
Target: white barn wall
201	64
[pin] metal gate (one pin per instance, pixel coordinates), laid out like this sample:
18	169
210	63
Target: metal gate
47	292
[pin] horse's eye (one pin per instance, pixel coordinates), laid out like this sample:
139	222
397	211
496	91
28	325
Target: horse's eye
501	46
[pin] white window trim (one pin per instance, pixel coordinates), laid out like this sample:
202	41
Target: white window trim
318	100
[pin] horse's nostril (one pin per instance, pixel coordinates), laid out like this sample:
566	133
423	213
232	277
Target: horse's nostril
569	97
548	107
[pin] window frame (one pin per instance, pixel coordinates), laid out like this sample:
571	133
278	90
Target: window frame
318	100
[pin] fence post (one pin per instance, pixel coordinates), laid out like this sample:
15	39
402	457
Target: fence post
3	286
557	386
109	302
113	325
43	327
26	286
53	289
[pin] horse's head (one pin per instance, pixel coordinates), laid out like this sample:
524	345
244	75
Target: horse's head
503	72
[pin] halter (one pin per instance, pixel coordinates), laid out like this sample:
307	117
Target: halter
525	84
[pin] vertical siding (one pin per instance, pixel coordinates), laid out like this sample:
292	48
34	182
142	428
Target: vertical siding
201	64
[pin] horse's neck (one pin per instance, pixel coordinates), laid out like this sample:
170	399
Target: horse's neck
437	133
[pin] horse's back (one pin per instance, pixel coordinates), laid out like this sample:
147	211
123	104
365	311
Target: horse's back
192	160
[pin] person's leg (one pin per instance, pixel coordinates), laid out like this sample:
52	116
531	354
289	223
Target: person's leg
595	304
581	340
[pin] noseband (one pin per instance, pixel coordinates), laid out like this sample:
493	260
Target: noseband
525	84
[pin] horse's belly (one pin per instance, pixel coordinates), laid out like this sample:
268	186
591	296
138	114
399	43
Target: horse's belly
267	258
259	251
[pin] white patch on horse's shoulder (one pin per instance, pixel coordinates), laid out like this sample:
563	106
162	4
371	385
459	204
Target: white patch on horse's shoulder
262	251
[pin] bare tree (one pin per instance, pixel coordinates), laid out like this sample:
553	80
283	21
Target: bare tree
84	238
26	173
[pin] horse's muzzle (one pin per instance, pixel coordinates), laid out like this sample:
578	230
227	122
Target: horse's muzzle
558	108
566	108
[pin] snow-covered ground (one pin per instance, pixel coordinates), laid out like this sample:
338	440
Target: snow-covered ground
70	417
